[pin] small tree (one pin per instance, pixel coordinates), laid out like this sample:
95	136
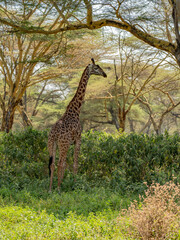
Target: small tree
23	63
137	70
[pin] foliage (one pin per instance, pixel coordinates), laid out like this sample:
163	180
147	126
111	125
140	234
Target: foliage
24	146
23	223
23	157
36	197
111	171
84	215
129	159
121	162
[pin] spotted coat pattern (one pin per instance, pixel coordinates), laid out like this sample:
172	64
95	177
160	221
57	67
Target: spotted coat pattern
67	130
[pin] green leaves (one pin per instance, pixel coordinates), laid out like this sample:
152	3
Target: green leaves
135	157
117	161
111	167
23	223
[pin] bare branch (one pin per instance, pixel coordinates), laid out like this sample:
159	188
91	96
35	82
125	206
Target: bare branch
59	11
166	93
32	11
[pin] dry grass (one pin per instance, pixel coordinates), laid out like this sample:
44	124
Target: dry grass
158	214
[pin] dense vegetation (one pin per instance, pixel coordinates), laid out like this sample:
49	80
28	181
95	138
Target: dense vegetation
112	172
120	161
128	183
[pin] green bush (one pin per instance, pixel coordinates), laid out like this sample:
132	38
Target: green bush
130	158
117	161
25	146
23	157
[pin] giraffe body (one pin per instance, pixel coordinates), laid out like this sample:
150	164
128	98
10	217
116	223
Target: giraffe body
67	130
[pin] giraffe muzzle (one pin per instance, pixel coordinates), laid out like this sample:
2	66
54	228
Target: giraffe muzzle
104	75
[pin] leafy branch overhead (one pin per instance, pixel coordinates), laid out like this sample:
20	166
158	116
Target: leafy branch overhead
59	16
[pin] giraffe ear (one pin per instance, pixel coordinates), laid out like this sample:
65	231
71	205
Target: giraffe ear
92	59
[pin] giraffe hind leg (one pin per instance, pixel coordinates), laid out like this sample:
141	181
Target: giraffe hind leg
76	154
63	149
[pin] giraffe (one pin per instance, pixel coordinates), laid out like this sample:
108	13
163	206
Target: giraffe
67	130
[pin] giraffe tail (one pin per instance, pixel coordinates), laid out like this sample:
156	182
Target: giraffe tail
50	162
52	151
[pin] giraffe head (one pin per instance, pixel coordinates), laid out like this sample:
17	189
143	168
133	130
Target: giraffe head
96	69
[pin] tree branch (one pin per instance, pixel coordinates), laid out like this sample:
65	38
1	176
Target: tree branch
147	38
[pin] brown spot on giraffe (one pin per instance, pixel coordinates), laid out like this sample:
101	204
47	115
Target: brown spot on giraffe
67	130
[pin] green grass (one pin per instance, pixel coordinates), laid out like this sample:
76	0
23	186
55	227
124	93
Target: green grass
24	223
79	201
75	214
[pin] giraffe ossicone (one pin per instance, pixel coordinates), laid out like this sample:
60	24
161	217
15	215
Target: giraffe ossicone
67	130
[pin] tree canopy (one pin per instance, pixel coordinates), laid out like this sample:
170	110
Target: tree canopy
45	42
154	22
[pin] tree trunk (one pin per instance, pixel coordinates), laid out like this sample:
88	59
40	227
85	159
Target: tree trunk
8	116
26	121
3	121
122	119
131	125
122	124
8	120
146	126
114	117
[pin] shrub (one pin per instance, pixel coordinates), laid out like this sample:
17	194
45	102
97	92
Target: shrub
23	146
121	162
157	216
23	157
127	160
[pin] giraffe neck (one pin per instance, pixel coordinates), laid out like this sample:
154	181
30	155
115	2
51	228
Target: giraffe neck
76	102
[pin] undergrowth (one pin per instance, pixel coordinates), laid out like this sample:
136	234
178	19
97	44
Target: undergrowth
79	201
120	162
22	223
112	172
154	216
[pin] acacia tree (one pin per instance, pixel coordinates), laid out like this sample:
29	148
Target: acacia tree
140	83
23	63
139	73
136	70
157	27
131	87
